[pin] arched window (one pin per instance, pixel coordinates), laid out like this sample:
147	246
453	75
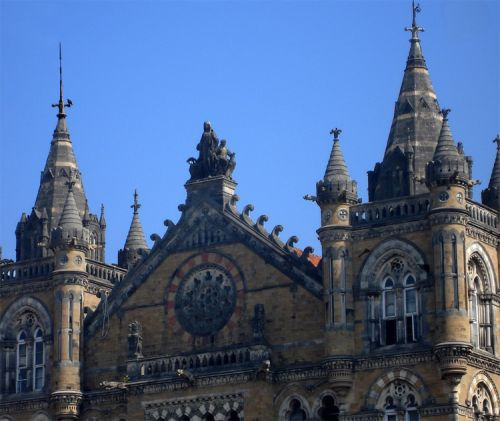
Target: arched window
70	327
389	312
296	412
328	411
481	403
184	418
411	309
479	305
399	397
38	361
208	417
22	364
233	416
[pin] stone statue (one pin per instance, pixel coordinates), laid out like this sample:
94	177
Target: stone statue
258	322
214	158
135	340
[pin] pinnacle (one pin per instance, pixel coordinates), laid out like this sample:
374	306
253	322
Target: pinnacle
336	168
446	148
135	237
70	218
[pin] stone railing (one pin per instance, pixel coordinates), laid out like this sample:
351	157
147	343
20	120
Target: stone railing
381	211
481	215
41	268
103	272
197	362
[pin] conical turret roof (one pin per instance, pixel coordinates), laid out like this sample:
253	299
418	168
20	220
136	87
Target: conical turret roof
336	185
135	238
446	148
491	195
70	217
336	168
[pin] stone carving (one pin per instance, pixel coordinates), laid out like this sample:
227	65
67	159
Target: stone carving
258	322
214	158
135	340
205	300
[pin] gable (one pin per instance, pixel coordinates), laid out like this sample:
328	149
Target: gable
206	228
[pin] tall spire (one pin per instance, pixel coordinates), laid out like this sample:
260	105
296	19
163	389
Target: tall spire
337	185
491	195
414	131
52	193
70	217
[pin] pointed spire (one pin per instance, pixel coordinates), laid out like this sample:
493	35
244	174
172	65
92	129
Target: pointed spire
337	185
445	149
415	128
491	195
70	218
61	131
102	219
336	168
135	237
415	57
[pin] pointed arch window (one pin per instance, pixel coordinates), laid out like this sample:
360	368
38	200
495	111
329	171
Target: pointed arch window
328	411
296	412
480	316
389	311
21	363
38	361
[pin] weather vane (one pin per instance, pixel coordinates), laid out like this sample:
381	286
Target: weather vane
335	132
61	103
136	204
415	29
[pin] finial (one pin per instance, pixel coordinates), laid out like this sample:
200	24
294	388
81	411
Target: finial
415	29
445	112
61	103
497	141
102	209
136	204
335	132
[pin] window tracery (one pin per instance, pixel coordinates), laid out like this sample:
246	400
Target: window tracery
482	403
296	412
400	401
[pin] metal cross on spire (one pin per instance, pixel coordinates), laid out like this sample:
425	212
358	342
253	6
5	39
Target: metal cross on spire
415	29
136	204
335	132
497	141
61	103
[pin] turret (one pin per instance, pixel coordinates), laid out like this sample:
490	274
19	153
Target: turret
491	195
335	194
448	181
135	246
70	243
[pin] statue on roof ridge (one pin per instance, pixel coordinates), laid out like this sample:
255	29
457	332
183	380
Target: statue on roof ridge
214	157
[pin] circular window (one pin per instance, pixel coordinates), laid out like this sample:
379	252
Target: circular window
460	197
443	196
205	300
63	260
342	213
78	260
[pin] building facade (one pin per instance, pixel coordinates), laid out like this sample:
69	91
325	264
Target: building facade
397	319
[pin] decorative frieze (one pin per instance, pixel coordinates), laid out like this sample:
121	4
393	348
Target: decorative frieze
24	405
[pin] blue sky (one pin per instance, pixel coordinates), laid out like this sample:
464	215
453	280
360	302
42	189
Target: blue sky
273	77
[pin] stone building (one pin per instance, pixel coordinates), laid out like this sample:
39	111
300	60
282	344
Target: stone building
221	319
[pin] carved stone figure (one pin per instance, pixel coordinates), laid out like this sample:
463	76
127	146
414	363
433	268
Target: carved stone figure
214	158
135	340
258	322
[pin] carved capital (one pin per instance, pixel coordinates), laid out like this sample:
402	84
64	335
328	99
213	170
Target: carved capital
66	404
340	375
